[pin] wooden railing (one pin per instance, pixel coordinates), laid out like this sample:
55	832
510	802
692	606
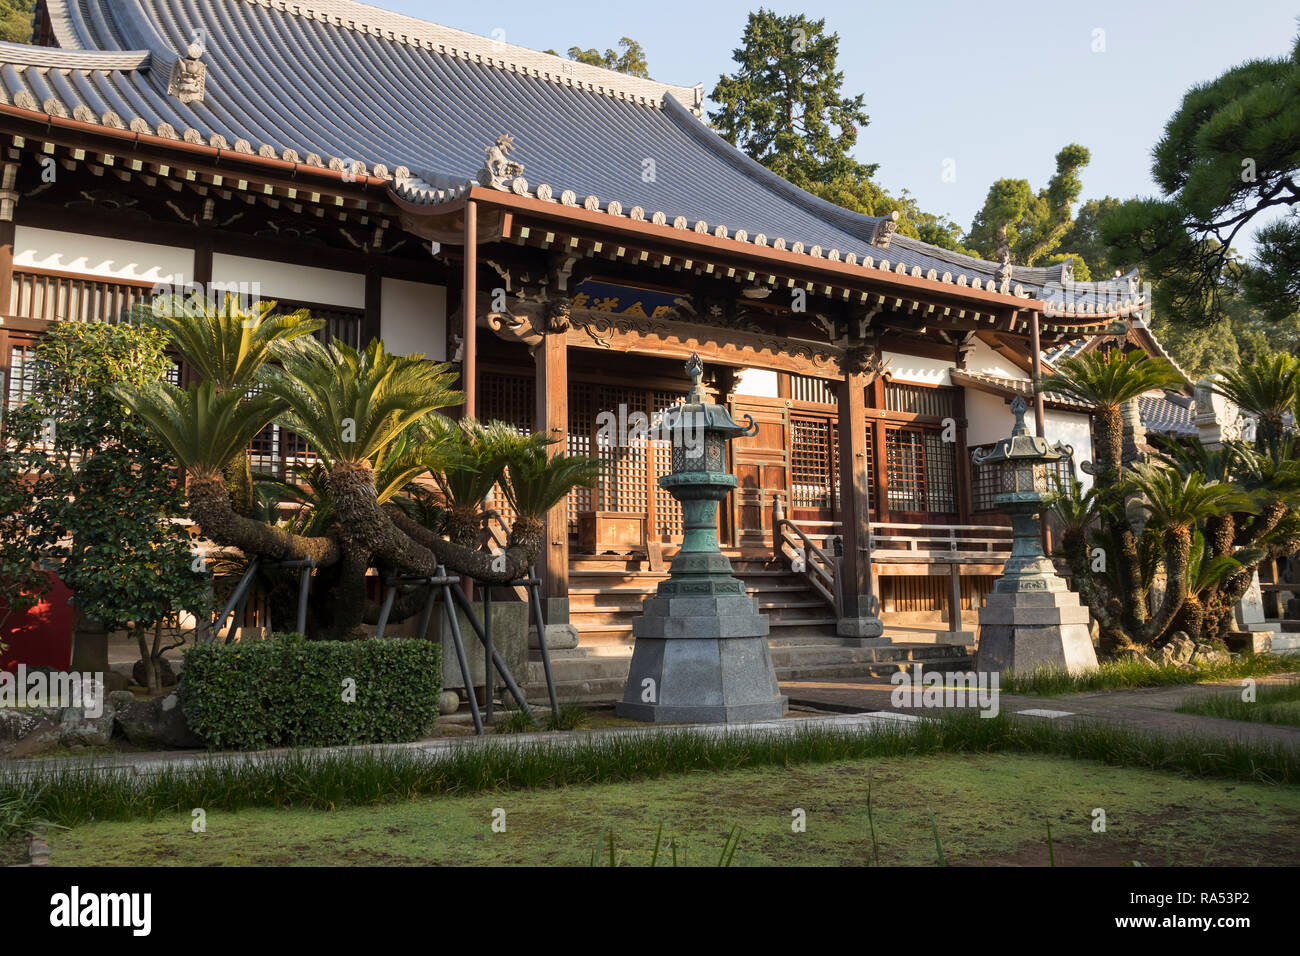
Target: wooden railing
940	543
890	542
807	559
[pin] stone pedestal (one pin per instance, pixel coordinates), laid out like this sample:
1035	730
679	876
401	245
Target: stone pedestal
701	651
1022	631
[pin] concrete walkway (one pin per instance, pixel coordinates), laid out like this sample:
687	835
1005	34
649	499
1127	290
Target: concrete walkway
865	704
1148	709
181	760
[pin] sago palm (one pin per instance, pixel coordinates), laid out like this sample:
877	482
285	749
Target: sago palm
226	344
1107	381
203	426
1268	388
351	406
536	482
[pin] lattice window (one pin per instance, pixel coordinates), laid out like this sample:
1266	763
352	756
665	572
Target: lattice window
507	398
20	377
940	473
811	471
805	388
905	468
983	482
919	400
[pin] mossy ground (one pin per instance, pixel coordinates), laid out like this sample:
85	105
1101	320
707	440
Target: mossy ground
989	809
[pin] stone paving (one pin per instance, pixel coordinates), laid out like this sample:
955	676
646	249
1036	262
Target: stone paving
1147	708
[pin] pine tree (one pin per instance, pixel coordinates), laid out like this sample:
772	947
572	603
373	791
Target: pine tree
1228	161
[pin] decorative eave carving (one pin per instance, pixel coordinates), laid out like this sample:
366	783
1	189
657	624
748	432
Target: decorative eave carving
527	322
188	76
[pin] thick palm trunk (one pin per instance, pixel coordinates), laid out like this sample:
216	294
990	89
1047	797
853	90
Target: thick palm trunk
209	506
1178	550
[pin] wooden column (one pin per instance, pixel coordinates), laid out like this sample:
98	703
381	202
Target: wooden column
469	310
8	204
1036	360
552	359
857	601
879	453
203	259
370	325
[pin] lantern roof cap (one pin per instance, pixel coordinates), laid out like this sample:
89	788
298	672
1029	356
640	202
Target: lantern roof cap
1020	446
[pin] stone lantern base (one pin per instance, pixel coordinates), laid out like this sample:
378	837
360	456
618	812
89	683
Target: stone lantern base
702	658
1022	631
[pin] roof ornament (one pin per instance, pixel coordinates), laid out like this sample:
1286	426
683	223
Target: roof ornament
1004	257
885	230
188	75
500	169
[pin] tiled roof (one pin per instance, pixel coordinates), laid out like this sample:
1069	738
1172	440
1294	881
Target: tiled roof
344	85
1016	386
1170	414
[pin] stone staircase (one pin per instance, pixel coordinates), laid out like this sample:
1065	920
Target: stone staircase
605	595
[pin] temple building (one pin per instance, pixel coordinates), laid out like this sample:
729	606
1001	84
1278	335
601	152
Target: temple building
570	236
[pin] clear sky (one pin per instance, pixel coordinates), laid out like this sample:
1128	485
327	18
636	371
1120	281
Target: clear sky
996	87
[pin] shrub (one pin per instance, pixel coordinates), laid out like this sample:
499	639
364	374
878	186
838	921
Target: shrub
294	692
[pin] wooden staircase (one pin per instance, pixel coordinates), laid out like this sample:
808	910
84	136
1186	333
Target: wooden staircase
605	595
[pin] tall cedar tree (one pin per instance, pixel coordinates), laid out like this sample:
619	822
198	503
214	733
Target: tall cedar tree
784	105
1227	165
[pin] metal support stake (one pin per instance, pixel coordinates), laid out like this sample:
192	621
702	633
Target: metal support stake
506	676
234	598
535	604
303	587
489	650
450	608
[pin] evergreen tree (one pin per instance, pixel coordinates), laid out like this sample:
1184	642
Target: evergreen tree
1227	163
631	61
1031	225
784	107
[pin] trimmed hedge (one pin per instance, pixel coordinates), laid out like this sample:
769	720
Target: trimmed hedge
291	692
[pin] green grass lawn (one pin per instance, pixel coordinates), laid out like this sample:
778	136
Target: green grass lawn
1272	705
1119	675
988	809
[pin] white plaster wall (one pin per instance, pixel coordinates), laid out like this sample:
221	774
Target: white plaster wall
915	368
983	359
988	417
95	255
758	382
283	280
1073	429
413	318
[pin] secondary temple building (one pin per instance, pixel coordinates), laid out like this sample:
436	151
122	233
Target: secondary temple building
569	235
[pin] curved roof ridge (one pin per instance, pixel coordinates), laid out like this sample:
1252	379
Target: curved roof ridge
1036	274
23	54
854	223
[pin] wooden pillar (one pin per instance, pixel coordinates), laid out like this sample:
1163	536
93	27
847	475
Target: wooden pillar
469	310
370	325
203	259
963	462
1036	360
8	204
857	602
552	418
879	454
